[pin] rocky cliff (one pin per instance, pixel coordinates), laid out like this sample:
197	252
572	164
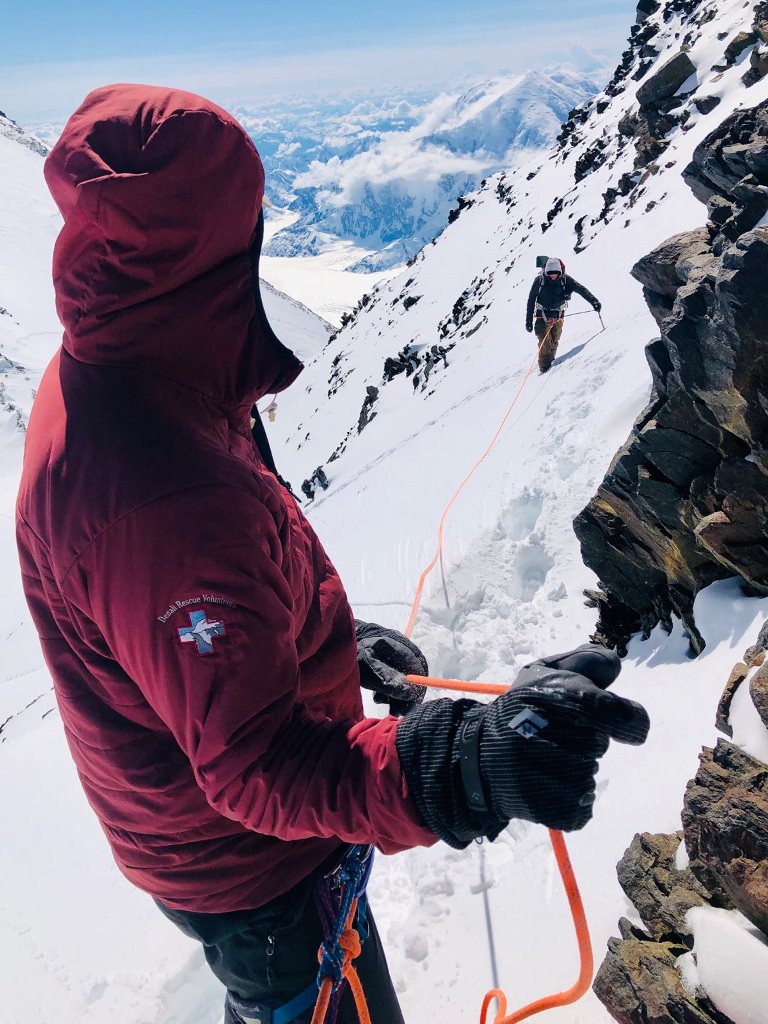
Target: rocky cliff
685	501
649	974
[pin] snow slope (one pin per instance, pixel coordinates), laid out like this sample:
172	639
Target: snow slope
79	945
323	282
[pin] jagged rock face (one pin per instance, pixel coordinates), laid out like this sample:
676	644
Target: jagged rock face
639	983
725	819
733	151
758	691
645	8
738	674
661	893
685	501
667	80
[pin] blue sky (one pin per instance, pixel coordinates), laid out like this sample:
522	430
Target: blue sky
52	53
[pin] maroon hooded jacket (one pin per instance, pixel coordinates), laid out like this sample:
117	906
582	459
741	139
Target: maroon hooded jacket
200	642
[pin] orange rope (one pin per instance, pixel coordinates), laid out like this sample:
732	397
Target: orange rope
582	983
495	689
441	526
349	941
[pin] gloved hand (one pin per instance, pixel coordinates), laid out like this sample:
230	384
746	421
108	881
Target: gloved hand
597	306
384	658
532	753
529	327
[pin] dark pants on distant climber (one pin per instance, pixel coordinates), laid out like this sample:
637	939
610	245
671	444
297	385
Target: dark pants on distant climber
266	957
548	332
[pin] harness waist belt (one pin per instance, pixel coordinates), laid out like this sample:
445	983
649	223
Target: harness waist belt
549	314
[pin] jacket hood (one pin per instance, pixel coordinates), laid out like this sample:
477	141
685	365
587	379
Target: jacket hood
554	266
156	266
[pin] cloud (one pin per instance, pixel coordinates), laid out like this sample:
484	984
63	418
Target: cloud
416	169
286	149
399	158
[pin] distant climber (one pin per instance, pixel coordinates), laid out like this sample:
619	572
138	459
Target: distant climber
367	413
548	297
318	479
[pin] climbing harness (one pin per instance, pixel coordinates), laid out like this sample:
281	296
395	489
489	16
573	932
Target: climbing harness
582	983
340	898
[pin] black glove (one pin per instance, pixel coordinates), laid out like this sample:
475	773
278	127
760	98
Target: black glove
597	306
532	753
384	658
529	327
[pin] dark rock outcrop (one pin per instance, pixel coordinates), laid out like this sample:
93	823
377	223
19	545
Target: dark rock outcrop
667	80
706	104
760	23
661	893
725	818
725	822
645	8
758	691
755	655
740	42
734	150
685	501
639	983
758	66
367	412
661	107
738	674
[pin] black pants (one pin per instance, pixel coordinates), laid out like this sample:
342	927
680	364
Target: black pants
266	957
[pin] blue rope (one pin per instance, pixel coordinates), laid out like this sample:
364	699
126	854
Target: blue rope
353	875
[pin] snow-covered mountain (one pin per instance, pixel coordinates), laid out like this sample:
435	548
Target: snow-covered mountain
600	199
502	116
389	184
10	130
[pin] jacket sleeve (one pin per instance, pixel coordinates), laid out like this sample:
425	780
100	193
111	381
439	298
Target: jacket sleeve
191	595
585	293
532	300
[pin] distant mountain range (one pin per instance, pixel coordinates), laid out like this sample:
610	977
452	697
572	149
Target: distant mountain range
383	171
384	174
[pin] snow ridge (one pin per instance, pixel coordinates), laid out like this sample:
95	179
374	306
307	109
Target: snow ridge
10	130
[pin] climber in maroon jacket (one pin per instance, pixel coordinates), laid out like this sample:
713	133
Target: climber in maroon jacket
206	662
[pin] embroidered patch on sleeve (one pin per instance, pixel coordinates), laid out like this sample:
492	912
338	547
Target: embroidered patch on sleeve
201	632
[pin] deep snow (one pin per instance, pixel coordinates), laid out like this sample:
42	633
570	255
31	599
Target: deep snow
80	946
